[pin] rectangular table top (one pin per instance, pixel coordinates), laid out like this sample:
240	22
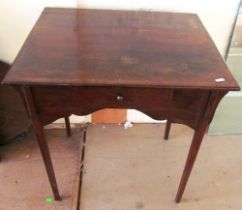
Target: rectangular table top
120	48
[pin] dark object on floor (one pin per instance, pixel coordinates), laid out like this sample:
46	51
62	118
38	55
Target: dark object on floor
14	121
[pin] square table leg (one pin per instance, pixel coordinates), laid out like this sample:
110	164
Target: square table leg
167	130
39	132
196	142
68	126
46	157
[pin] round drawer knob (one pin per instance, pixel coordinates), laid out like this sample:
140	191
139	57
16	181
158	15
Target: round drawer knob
120	98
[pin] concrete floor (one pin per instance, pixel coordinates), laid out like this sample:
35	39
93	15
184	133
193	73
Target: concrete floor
136	169
23	181
123	170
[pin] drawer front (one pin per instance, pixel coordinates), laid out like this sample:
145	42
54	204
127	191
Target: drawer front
84	100
177	105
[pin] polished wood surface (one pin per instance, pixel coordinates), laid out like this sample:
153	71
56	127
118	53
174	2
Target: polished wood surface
181	106
39	132
113	48
68	126
167	130
79	61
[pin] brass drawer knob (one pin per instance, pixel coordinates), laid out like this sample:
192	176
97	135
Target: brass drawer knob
120	98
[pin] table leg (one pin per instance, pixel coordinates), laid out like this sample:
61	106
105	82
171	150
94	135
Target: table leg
68	126
196	142
38	129
167	129
46	157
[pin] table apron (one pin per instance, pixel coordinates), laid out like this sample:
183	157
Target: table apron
178	105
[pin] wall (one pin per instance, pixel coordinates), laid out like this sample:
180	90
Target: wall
18	17
227	119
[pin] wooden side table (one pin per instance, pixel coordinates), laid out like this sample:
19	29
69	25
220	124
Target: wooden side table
77	61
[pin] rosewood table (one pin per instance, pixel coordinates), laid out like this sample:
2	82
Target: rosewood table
76	61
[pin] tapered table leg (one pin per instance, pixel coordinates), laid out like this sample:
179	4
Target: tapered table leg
38	129
68	126
46	157
167	130
196	142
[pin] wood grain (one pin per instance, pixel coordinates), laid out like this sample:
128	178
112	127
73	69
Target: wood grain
180	106
120	48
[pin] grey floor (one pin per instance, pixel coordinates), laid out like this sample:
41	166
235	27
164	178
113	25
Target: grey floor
23	181
123	170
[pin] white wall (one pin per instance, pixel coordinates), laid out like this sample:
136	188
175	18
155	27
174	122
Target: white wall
18	17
